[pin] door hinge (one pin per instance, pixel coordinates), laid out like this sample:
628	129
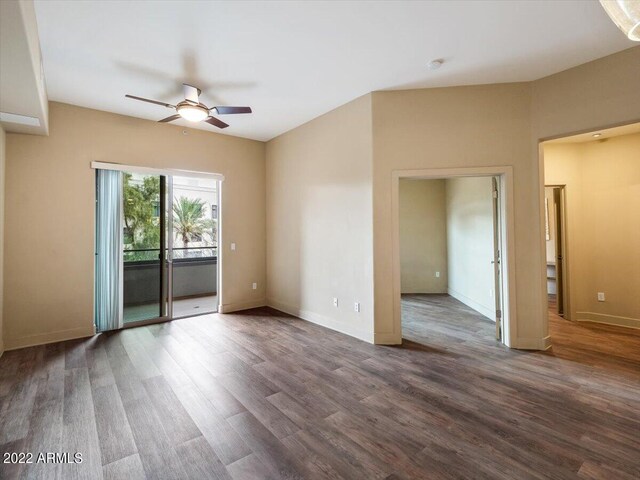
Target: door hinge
498	314
495	194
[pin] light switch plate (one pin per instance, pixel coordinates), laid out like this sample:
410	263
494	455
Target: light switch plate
601	296
233	246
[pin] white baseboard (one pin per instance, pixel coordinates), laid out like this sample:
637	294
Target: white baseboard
487	312
236	307
532	343
608	319
321	320
51	337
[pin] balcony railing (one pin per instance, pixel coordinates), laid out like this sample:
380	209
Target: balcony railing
194	273
179	253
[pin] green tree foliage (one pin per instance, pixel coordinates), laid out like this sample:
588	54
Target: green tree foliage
142	223
189	220
140	220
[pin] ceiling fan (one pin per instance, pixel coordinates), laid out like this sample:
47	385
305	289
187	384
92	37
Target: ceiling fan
192	110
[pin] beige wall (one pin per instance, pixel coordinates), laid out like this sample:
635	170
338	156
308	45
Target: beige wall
602	181
49	229
319	243
494	125
457	127
598	94
423	236
469	204
333	167
2	195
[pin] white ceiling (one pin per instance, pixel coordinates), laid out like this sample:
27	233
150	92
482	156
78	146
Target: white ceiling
292	61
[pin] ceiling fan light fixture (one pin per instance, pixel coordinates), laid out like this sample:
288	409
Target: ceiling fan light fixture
626	15
192	110
192	113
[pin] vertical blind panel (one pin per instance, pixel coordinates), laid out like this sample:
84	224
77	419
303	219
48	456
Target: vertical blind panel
108	284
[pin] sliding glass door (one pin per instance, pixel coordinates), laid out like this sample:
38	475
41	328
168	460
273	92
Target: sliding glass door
165	257
144	252
194	246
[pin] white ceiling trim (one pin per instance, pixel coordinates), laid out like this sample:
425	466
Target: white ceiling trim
24	106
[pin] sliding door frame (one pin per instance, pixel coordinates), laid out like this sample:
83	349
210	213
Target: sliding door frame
163	238
169	253
166	249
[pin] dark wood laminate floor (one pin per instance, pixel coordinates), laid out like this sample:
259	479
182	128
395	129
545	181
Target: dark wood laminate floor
264	395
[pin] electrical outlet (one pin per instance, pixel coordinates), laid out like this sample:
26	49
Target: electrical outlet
437	274
356	307
335	301
233	246
254	286
601	296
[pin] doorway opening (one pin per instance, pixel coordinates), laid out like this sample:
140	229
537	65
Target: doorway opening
554	205
591	210
449	257
157	239
454	254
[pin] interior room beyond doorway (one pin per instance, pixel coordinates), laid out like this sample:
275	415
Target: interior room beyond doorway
591	183
447	254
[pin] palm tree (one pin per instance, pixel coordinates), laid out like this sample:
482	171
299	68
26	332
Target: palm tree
188	219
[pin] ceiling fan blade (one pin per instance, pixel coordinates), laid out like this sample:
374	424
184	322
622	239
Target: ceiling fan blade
169	119
216	123
231	110
191	93
168	105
